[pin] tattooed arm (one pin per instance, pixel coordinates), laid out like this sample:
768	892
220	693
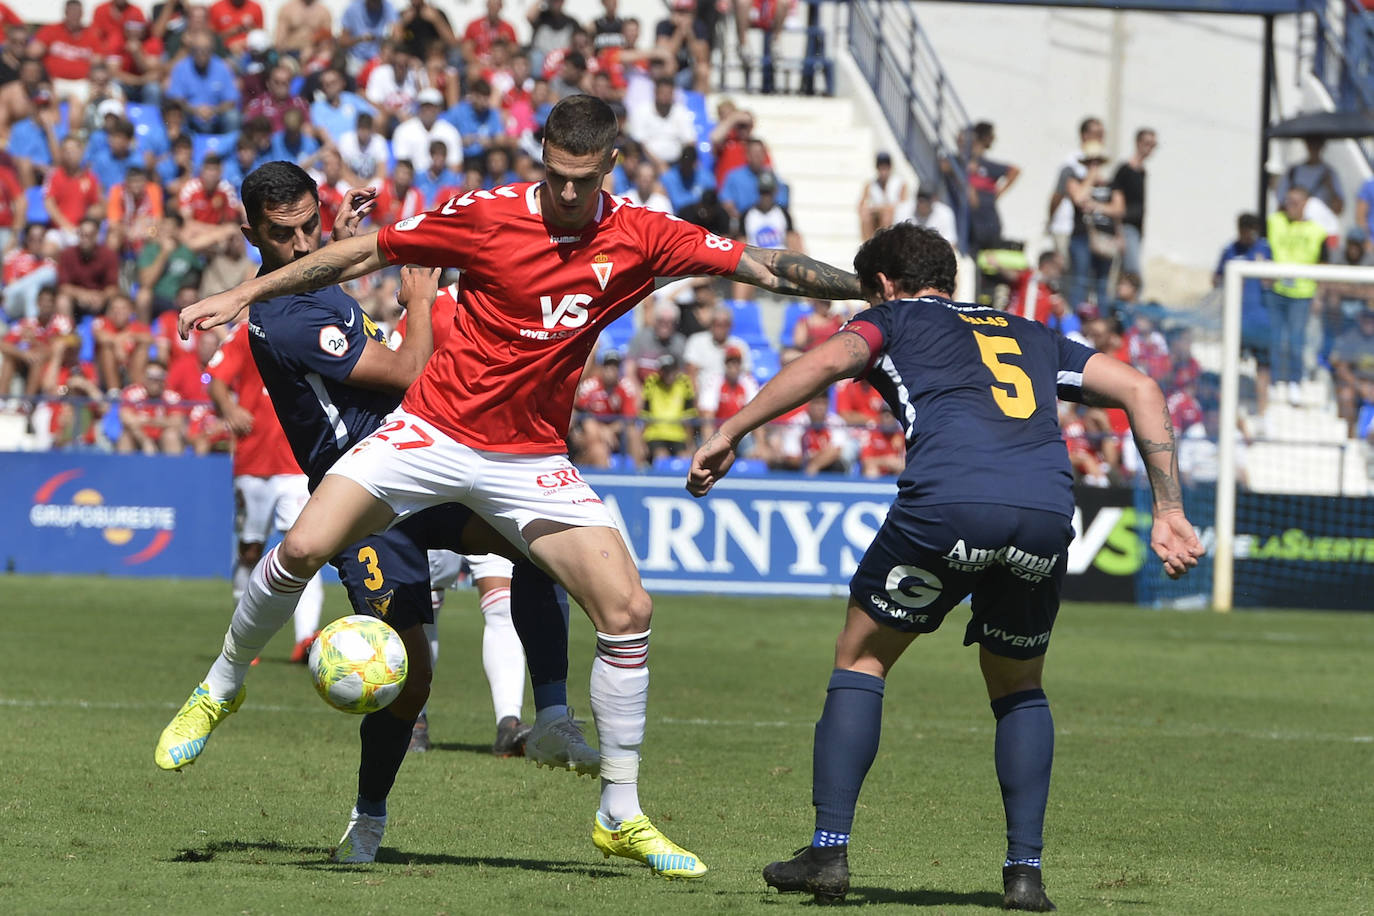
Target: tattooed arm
793	274
842	356
332	264
1108	382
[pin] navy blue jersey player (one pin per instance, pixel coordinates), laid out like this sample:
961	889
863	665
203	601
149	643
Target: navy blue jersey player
332	381
983	508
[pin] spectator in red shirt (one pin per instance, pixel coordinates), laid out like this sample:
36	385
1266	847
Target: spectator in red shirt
858	403
87	273
13	207
122	345
27	269
67	49
398	198
481	33
71	193
185	359
883	452
110	18
138	64
730	139
152	419
31	347
232	20
277	100
817	443
604	407
736	388
816	326
208	200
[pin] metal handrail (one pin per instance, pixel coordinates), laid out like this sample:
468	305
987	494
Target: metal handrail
898	60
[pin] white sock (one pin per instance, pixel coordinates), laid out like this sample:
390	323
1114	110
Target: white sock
620	699
432	634
240	580
307	616
267	602
503	658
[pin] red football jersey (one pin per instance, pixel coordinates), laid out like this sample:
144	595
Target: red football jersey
264	452
859	397
534	300
214	207
183	366
595	399
441	316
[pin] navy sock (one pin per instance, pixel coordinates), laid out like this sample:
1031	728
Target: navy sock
539	610
385	739
1024	753
846	743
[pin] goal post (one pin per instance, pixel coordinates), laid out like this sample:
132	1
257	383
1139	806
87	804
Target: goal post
1317	484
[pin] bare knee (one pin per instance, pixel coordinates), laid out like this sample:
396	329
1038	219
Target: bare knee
302	555
632	614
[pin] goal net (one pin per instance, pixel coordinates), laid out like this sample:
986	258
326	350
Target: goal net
1277	469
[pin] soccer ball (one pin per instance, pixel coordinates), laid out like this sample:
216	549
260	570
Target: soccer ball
358	664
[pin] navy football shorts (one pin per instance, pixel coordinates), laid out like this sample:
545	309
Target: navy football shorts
387	574
925	561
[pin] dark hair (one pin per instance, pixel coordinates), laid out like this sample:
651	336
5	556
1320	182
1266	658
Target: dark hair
912	257
181	140
275	184
212	159
123	129
581	125
480	88
1140	134
133	170
363	120
983	131
1046	257
1248	221
1086	123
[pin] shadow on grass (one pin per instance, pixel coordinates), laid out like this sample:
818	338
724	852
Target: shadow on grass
864	896
257	853
461	747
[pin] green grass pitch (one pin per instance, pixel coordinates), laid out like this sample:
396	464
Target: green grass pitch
1205	764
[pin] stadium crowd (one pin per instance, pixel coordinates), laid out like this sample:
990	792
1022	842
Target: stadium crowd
125	134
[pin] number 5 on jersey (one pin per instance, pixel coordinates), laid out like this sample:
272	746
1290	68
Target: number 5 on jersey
1020	402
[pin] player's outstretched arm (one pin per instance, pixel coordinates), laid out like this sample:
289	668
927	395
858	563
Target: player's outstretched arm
335	263
842	356
794	274
1108	382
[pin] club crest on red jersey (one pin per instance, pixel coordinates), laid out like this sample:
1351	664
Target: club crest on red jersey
602	266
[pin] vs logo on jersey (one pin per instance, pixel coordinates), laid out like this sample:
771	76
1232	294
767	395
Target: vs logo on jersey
571	312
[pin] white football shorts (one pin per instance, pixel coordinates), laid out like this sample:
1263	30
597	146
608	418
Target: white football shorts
410	465
267	504
445	567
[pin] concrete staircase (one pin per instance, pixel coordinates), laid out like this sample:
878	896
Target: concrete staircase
824	153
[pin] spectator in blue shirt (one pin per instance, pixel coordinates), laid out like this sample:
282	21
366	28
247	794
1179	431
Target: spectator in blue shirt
429	182
497	171
206	86
479	123
244	160
293	144
111	159
173	169
686	179
337	113
740	189
363	25
1254	317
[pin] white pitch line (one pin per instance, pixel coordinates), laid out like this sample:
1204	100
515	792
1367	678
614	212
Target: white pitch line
928	725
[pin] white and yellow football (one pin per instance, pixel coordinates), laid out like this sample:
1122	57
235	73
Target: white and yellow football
358	664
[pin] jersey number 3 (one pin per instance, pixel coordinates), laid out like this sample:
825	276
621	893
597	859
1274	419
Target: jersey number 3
1020	402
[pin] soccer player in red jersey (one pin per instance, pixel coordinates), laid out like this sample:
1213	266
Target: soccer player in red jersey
269	488
546	266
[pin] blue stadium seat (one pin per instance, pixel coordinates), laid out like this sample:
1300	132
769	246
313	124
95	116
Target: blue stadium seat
766	363
790	317
748	322
621	463
86	332
705	157
111	425
204	144
696	104
673	464
617	334
148	126
749	467
37	213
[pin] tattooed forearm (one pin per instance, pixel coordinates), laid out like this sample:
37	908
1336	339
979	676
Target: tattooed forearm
340	261
322	273
1161	460
790	273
